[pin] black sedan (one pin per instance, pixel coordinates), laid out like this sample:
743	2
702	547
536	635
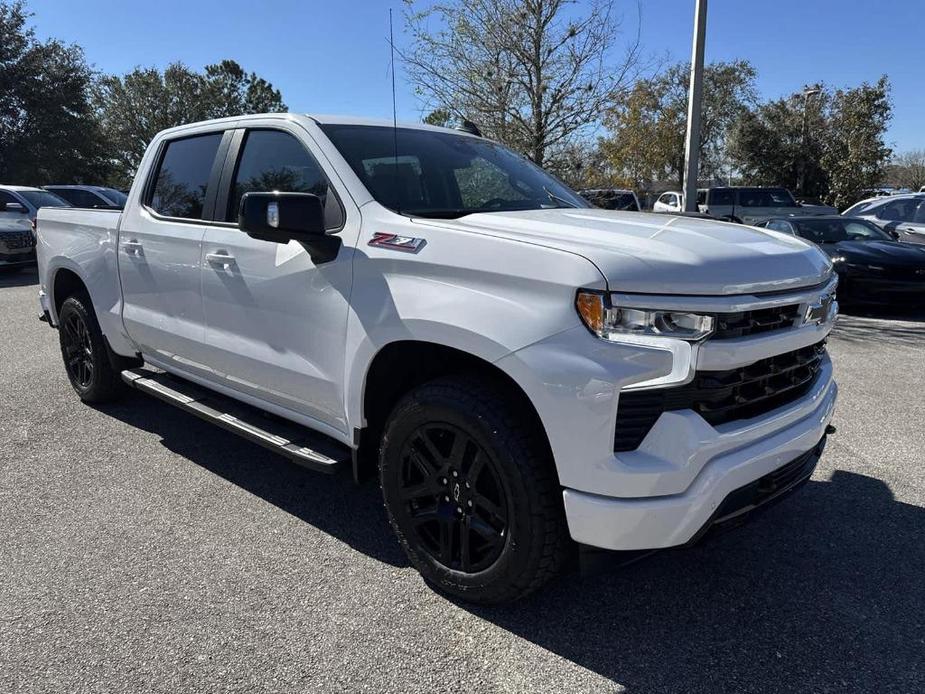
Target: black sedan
873	267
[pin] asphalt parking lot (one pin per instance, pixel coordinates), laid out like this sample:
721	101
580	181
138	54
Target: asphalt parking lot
144	550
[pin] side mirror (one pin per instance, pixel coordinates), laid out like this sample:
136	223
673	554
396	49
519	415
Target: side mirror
282	217
13	207
895	234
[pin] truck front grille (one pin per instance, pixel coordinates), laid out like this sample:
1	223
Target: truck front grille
762	320
722	396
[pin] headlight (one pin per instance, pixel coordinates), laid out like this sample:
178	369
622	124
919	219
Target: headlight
611	322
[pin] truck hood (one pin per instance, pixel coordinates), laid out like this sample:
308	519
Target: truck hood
662	254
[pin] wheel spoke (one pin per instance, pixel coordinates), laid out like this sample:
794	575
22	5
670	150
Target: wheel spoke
422	465
485	531
433	456
428	488
464	554
490	508
475	468
458	449
447	536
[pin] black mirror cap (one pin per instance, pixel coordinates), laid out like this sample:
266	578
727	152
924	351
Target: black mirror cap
282	217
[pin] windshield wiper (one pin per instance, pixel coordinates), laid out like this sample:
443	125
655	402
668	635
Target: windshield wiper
555	198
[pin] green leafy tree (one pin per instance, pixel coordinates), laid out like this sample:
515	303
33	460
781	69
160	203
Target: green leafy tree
440	117
827	145
647	124
135	107
853	152
47	130
780	143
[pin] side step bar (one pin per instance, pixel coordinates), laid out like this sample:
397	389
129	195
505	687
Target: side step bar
301	445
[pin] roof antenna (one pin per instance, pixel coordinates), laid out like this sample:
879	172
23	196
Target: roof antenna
394	119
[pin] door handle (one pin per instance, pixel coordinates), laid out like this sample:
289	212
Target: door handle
132	247
222	259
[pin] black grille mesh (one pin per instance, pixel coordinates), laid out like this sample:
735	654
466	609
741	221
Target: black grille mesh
763	320
722	396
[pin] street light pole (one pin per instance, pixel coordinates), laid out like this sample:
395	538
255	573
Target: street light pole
694	103
801	181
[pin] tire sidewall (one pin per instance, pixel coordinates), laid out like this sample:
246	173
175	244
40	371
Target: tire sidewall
429	406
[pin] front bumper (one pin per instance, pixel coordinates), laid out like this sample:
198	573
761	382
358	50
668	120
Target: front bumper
676	519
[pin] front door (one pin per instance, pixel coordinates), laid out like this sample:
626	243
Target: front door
275	318
160	245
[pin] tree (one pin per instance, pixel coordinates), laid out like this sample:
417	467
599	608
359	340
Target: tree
781	141
135	107
533	74
853	152
836	144
47	130
647	124
907	170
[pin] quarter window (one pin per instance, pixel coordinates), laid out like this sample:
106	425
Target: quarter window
183	176
276	161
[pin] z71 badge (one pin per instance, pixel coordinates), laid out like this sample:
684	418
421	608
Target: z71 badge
408	244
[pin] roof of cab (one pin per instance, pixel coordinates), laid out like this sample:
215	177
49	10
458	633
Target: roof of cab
20	188
320	119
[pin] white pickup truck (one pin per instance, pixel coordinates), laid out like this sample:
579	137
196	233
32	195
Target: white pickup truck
521	371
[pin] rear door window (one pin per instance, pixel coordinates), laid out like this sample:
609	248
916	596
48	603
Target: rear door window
183	176
79	198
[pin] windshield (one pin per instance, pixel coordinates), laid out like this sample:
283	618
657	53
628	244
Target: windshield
116	197
444	175
835	230
42	198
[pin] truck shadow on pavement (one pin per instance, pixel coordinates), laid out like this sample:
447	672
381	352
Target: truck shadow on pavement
332	503
822	592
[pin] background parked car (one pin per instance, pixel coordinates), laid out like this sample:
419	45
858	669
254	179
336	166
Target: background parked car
903	214
753	205
17	243
873	268
90	196
612	199
17	202
668	202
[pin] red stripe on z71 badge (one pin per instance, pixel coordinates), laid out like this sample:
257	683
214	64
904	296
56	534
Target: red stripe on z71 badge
408	244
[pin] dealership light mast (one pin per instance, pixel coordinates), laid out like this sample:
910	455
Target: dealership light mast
694	104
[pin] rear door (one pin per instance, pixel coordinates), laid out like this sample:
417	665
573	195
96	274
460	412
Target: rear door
275	317
160	244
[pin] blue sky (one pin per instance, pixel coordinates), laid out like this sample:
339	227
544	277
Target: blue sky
332	57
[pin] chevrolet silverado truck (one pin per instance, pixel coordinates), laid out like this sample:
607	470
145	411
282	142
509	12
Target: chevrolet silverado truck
523	373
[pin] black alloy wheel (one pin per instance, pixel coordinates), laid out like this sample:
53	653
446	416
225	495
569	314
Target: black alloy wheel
471	490
454	498
77	349
94	373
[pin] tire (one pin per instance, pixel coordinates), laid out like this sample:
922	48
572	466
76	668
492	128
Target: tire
83	349
471	494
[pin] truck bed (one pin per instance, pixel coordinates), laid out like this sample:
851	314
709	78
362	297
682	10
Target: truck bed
83	241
